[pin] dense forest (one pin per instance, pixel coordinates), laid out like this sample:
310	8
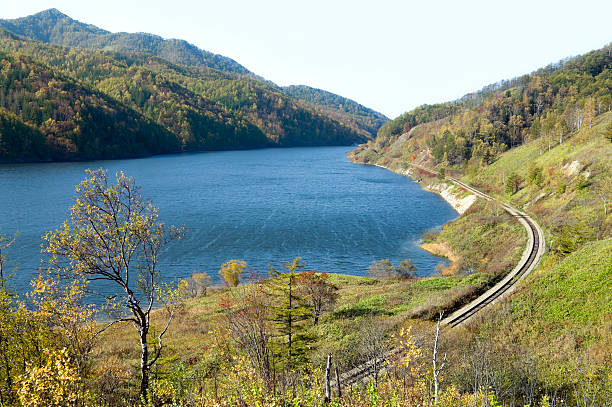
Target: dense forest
195	105
65	119
367	118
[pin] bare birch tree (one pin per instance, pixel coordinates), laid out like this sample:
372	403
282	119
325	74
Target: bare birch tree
114	236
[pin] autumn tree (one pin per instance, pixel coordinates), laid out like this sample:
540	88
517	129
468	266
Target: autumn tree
55	384
406	269
381	269
407	364
23	334
515	126
385	269
248	315
318	292
373	345
231	271
60	306
114	236
535	175
589	111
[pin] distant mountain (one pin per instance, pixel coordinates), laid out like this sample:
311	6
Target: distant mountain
54	27
361	116
206	102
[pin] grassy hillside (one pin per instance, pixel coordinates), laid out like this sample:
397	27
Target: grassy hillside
543	143
548	105
201	347
555	328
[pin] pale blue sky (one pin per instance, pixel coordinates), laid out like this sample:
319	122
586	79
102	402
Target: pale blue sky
388	55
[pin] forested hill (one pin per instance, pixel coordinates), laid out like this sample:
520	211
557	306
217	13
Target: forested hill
363	116
195	106
549	104
54	27
45	115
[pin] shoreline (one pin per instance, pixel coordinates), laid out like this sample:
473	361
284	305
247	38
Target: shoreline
460	205
447	192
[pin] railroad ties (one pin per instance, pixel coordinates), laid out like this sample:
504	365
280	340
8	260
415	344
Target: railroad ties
526	265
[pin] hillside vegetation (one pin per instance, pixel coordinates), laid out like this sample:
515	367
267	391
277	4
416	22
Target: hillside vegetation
364	117
200	101
542	142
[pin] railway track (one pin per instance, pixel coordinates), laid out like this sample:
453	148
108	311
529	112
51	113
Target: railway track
531	256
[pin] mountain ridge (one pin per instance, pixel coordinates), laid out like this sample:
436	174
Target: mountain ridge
204	106
67	31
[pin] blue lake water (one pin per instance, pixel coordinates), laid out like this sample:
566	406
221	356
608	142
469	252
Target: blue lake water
261	206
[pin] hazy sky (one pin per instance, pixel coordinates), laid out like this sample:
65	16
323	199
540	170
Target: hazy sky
388	55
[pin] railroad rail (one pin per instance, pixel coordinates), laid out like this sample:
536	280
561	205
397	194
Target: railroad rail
531	257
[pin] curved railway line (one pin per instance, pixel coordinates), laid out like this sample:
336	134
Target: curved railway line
531	257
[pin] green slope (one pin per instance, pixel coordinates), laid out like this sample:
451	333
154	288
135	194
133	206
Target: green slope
196	108
550	103
282	114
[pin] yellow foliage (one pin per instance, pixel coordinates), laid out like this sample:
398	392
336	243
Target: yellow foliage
56	383
231	271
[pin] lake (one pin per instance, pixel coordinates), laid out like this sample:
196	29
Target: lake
261	206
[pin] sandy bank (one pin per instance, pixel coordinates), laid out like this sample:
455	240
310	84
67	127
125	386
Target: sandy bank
442	250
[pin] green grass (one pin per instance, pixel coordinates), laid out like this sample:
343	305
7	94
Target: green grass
194	332
572	295
553	208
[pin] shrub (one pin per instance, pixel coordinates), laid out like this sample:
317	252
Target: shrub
56	383
385	269
231	271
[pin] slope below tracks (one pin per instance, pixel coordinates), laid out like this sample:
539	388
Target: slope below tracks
531	257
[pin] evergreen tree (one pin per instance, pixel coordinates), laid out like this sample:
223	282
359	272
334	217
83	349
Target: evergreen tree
290	315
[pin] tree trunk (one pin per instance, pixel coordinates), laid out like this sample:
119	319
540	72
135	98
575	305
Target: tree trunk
338	385
436	369
290	315
9	377
144	364
327	384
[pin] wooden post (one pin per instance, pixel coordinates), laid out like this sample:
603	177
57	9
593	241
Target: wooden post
436	369
338	383
327	385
